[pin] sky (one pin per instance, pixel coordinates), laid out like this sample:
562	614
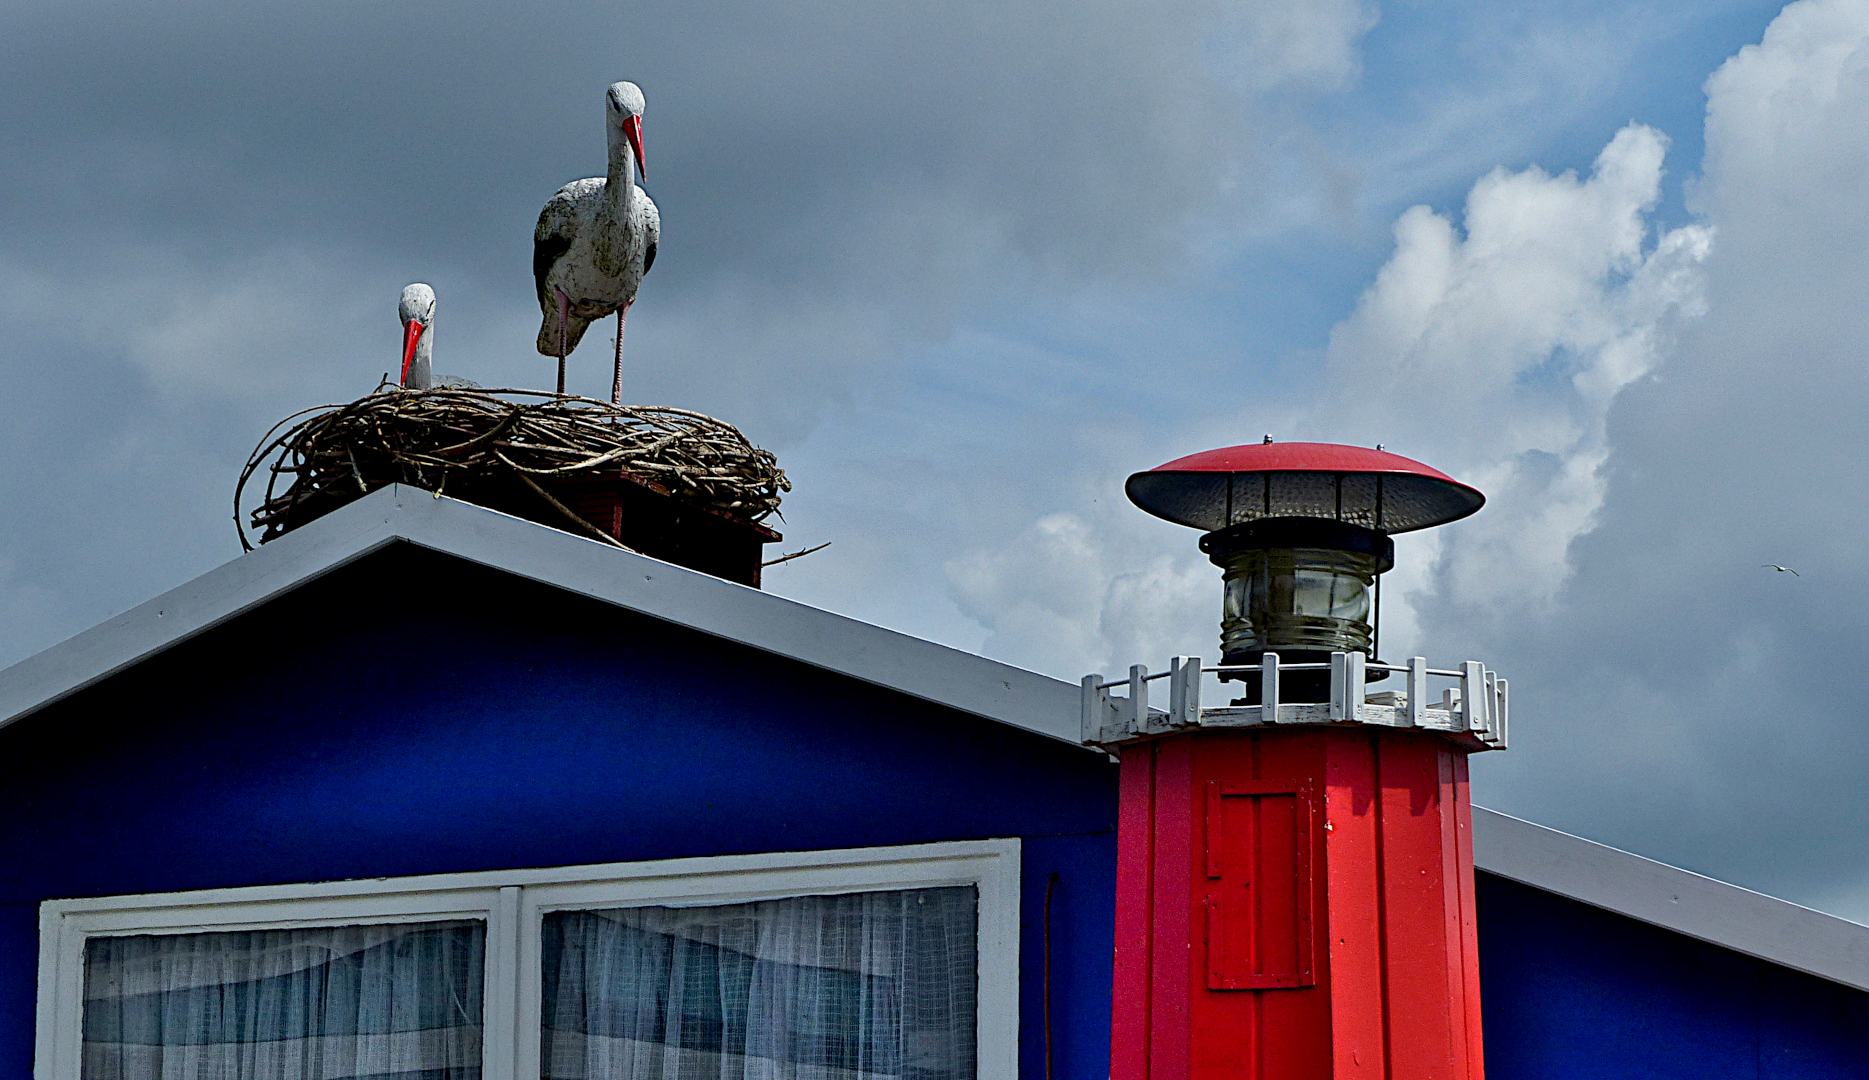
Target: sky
964	266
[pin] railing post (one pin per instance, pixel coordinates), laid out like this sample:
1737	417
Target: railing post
1091	705
1268	689
1472	696
1504	711
1184	691
1340	686
1417	714
1139	697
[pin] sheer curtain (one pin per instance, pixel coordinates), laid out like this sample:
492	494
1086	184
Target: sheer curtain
865	985
382	1002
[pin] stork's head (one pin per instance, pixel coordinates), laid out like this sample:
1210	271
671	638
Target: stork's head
625	99
418	318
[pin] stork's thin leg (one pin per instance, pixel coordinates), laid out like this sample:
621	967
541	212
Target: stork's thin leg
616	381
564	328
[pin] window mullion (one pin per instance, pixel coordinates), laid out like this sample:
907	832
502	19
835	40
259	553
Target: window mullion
528	1008
501	1021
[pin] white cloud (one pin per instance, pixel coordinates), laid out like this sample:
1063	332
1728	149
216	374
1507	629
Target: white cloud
1071	594
1496	351
1493	349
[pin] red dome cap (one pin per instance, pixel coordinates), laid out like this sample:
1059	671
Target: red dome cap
1353	484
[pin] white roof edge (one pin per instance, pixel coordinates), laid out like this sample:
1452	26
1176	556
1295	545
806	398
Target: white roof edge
1671	898
773	624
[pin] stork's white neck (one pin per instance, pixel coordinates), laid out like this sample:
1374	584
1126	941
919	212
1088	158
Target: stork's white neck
421	369
620	182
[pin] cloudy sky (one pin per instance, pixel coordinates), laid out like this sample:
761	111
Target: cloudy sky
965	265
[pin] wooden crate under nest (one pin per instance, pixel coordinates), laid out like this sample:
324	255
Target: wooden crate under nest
668	483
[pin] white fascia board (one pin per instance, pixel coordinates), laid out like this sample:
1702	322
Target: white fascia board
1673	899
674	594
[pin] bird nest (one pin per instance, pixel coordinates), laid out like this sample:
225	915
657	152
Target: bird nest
492	446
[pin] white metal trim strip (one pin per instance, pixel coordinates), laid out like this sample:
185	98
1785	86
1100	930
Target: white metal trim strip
1671	898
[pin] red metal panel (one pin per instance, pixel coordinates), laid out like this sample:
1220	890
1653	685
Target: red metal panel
1455	938
1259	896
1172	919
1415	923
1135	865
1469	922
1354	909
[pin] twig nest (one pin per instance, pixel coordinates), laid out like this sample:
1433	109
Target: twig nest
482	445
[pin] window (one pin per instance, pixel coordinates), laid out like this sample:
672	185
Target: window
876	964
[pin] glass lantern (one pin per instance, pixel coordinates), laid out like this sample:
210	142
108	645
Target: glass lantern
1299	587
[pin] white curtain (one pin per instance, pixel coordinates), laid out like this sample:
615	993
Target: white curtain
865	985
382	1002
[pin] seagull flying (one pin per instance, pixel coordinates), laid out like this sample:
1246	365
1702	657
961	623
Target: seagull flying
595	240
1781	569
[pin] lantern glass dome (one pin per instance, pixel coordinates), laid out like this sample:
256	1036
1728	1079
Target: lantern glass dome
1297	585
1304	598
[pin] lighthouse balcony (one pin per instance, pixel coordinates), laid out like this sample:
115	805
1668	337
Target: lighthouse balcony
1467	704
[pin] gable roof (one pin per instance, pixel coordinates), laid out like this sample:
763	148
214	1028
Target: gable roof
1616	881
1673	899
397	514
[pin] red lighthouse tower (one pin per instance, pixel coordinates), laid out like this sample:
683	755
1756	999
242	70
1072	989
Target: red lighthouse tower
1295	875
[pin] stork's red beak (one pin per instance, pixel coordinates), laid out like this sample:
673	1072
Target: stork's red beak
411	333
632	130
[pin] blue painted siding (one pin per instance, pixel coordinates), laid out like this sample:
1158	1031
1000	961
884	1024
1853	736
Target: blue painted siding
416	714
1571	991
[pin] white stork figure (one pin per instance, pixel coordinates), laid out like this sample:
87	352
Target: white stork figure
595	240
418	336
418	341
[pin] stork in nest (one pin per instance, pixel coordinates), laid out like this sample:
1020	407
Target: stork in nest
418	341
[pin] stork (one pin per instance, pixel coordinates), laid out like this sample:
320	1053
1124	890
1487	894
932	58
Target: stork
418	336
595	240
418	341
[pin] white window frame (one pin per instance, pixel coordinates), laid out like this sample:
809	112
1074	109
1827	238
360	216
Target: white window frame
514	904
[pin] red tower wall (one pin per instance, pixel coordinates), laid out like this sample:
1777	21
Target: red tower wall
1295	904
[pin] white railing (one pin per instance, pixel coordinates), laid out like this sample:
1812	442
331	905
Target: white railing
1473	708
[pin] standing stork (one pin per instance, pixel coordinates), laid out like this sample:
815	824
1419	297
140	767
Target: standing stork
595	240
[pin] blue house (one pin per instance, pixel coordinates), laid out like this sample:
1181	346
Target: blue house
421	790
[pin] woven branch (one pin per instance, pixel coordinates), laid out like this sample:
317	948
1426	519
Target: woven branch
467	437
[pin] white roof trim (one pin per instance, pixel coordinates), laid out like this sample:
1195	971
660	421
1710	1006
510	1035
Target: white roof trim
773	624
1672	898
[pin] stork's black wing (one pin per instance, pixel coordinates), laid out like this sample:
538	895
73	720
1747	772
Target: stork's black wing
651	225
557	225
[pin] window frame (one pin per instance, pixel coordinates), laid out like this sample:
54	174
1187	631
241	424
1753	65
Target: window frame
513	903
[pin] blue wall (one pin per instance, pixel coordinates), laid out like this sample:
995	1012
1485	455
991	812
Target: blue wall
416	714
1571	991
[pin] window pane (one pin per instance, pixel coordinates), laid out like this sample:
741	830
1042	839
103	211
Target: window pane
877	985
389	1002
